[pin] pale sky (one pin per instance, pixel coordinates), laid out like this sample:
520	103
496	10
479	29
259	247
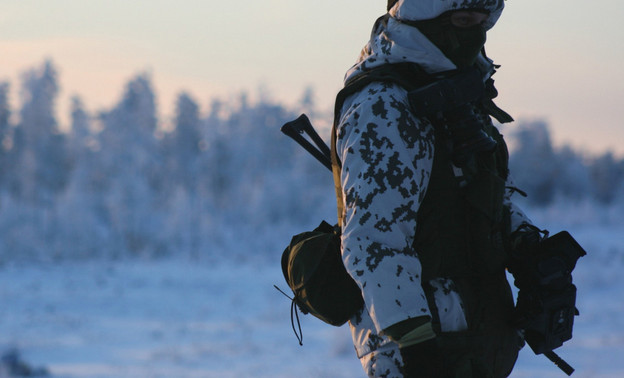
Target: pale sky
562	60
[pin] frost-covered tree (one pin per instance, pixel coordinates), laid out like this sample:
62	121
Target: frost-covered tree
572	177
545	172
39	144
184	144
607	174
84	212
80	138
307	103
214	177
127	139
5	134
533	162
129	167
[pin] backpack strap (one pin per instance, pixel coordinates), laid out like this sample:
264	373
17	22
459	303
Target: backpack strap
336	170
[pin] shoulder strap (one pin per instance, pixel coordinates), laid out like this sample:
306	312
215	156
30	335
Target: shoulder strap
336	170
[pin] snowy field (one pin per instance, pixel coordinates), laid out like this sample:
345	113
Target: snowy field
177	318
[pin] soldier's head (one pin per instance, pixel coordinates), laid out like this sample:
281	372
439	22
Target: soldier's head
458	30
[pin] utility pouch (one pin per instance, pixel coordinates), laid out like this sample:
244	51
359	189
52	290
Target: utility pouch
552	324
314	271
547	297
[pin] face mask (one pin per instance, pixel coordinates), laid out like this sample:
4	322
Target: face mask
461	45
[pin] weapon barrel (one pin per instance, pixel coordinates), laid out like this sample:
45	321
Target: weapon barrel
561	364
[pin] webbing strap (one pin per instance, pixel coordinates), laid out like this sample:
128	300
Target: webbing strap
336	170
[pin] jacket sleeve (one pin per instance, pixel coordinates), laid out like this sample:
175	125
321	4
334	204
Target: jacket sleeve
387	156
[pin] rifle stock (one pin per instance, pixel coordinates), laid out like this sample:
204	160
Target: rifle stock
302	125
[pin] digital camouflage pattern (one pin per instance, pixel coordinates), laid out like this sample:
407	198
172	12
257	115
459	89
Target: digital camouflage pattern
387	156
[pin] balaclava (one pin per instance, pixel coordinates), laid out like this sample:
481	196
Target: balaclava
461	45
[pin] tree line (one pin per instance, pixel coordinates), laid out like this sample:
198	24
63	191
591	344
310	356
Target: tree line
116	184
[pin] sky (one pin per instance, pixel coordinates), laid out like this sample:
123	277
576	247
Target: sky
561	59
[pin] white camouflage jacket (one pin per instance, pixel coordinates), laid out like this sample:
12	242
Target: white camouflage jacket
387	155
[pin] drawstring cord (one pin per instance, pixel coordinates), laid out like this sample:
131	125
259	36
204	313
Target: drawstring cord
293	309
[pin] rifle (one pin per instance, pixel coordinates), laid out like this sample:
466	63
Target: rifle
298	128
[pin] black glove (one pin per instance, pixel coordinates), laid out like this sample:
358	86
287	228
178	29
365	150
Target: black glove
422	360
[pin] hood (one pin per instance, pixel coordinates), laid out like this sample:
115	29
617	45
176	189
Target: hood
392	41
417	10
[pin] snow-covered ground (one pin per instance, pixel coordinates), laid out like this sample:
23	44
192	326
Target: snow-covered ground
179	318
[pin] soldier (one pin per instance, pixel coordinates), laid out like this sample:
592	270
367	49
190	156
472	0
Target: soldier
425	199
